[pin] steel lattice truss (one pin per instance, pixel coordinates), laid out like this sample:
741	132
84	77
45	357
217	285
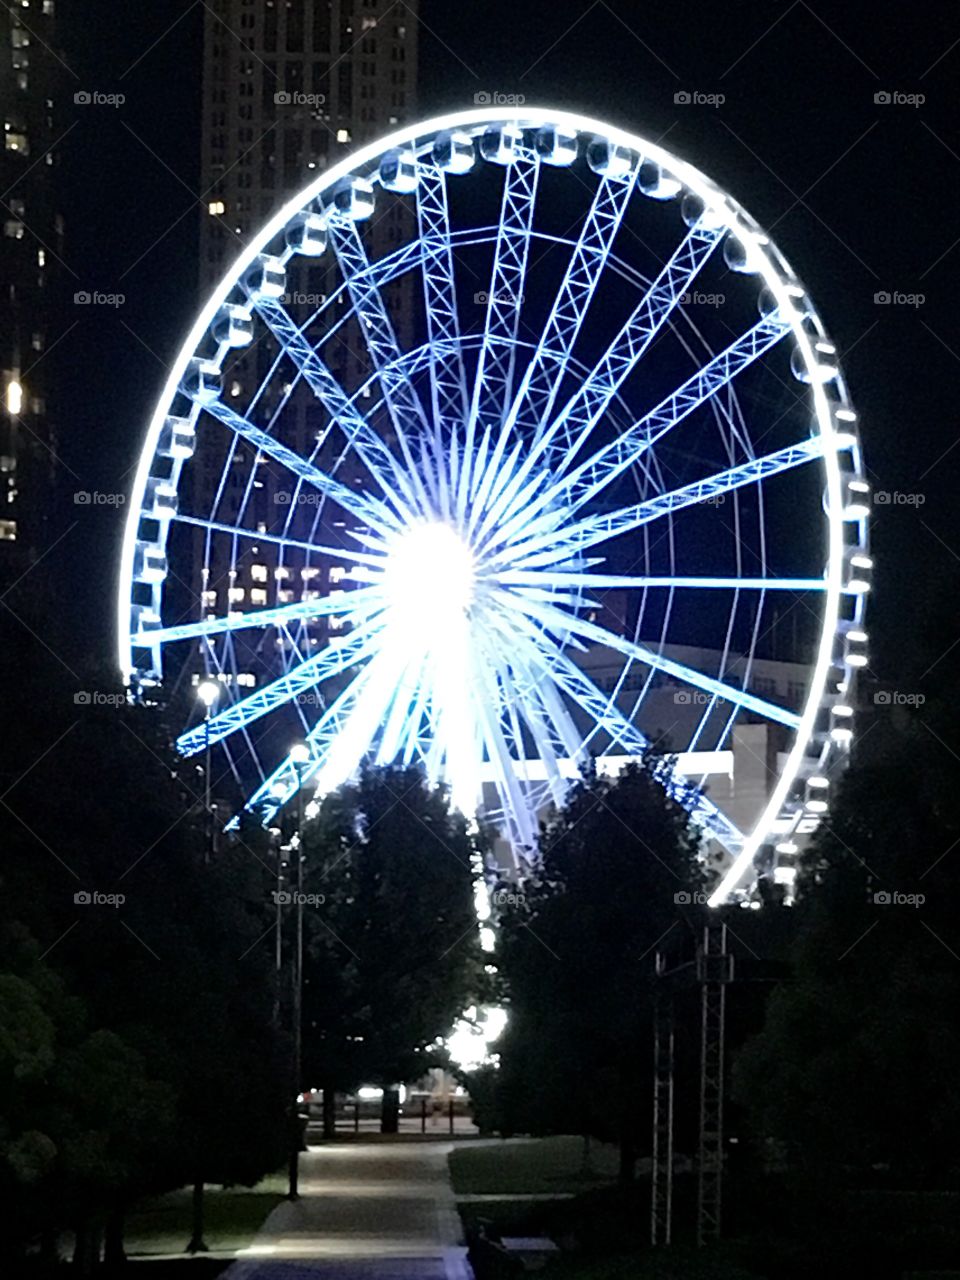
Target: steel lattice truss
484	483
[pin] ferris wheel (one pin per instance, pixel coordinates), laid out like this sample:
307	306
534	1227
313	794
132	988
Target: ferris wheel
560	437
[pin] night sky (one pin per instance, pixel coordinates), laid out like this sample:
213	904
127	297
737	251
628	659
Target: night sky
861	196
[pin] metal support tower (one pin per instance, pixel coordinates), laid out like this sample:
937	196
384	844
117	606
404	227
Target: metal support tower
714	971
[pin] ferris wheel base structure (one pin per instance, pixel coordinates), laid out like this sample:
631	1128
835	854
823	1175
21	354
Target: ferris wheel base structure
552	366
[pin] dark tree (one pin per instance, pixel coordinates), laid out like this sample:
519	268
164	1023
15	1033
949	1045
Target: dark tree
854	1070
618	878
392	950
160	958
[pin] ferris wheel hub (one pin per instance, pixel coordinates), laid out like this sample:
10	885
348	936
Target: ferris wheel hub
431	574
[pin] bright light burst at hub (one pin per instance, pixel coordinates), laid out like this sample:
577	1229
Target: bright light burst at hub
468	505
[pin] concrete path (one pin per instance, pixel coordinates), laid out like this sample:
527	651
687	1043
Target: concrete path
368	1211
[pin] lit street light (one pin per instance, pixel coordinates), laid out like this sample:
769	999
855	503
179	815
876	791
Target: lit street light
208	691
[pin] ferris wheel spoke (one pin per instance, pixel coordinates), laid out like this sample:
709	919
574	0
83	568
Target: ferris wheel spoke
448	383
556	620
289	776
613	581
577	686
545	734
359	645
541	379
493	381
340	754
519	684
372	450
504	768
592	475
403	719
346	602
403	403
275	539
597	471
361	506
589	403
531	639
599	528
574	423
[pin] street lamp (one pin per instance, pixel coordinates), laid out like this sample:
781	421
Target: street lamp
208	691
300	759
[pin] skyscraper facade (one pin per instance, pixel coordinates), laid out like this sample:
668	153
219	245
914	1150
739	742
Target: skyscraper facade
30	253
290	87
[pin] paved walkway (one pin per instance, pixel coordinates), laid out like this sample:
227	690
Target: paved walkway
368	1211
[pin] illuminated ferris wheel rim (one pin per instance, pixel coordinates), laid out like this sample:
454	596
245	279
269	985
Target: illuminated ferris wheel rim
835	421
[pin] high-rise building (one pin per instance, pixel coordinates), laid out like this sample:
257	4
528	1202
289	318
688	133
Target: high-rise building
30	252
290	87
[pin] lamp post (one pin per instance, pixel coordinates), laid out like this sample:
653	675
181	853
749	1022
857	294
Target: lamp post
208	691
300	757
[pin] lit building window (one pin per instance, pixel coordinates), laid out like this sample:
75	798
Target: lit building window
236	595
15	140
337	573
216	207
343	135
258	596
13	229
258	572
8	530
210	599
281	573
14	397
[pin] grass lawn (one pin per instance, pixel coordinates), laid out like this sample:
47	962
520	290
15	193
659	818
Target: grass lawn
232	1218
527	1166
